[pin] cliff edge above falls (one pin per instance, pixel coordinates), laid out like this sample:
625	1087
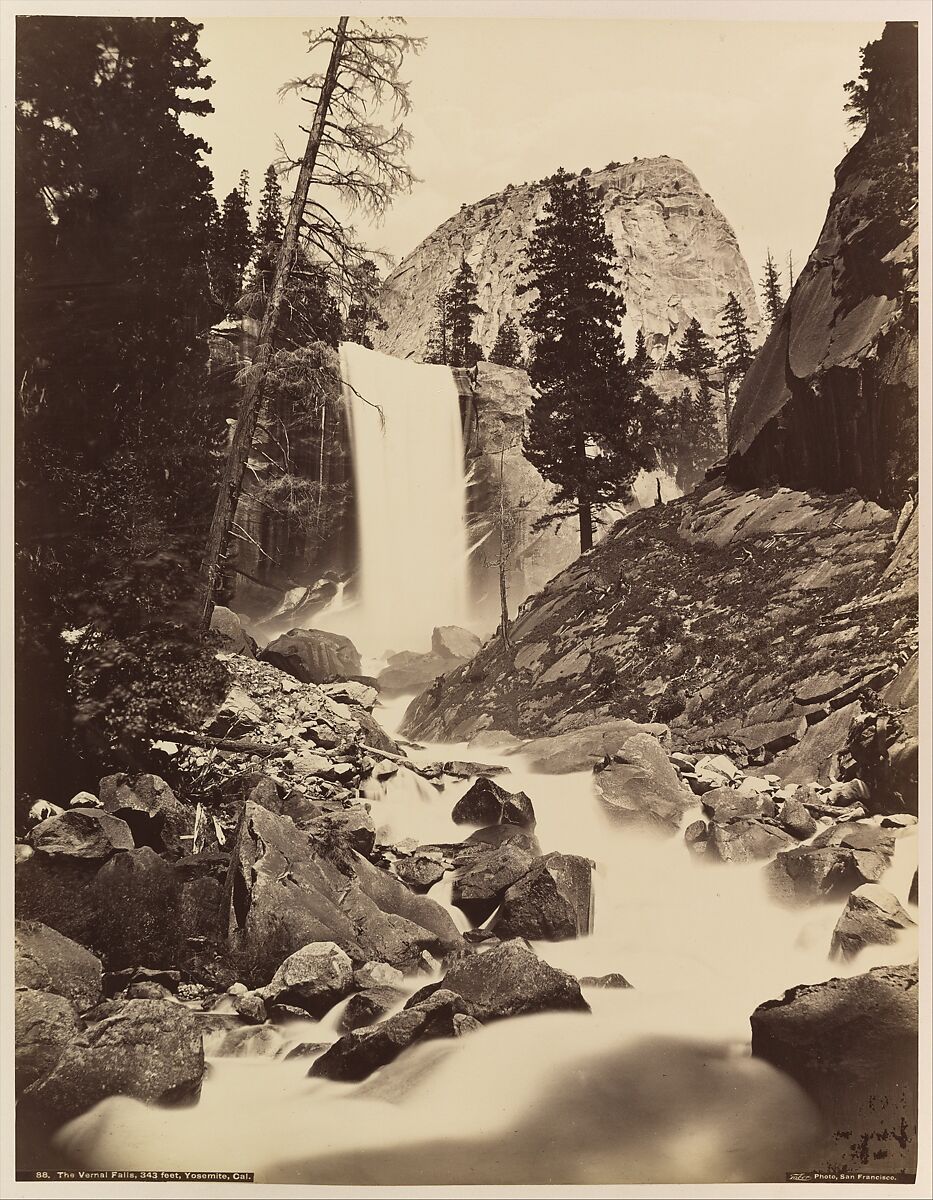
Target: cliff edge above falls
677	255
831	399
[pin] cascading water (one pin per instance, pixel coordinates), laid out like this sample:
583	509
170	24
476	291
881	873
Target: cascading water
407	442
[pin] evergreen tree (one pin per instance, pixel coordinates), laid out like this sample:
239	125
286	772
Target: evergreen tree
363	312
507	352
771	287
233	247
641	360
438	349
697	441
695	356
270	224
462	310
589	431
735	347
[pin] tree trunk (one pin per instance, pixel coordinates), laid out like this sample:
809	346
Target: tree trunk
586	524
250	404
504	605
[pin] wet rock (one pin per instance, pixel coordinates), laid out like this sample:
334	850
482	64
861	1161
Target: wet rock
461	769
851	1044
82	833
117	981
551	901
374	735
313	656
147	1049
147	989
508	981
353	825
47	961
871	917
797	820
583	749
728	804
226	624
857	835
811	873
498	835
148	805
251	1041
376	975
478	888
313	978
369	1005
494	739
486	803
813	756
409	671
356	1055
45	1024
746	840
612	980
420	872
450	641
642	787
251	1007
696	835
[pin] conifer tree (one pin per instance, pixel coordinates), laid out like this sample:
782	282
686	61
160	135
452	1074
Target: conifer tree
270	224
363	312
641	360
771	287
589	431
233	248
438	349
507	352
462	310
698	439
735	347
695	356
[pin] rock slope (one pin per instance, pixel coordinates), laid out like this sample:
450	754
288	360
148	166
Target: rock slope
677	256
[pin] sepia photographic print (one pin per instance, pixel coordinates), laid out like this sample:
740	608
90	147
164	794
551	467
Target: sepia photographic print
466	541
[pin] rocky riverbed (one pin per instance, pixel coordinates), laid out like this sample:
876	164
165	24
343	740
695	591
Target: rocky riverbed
309	898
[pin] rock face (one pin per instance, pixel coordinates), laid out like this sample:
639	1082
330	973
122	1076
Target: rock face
805	584
313	656
45	1024
677	258
831	400
852	1045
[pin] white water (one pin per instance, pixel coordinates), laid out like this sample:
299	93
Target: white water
407	443
656	1085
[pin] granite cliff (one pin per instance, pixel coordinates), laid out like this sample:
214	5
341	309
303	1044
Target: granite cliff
677	255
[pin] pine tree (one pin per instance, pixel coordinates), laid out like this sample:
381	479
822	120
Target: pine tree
462	310
695	356
587	433
507	352
363	312
735	347
771	287
438	348
696	441
641	360
233	247
270	224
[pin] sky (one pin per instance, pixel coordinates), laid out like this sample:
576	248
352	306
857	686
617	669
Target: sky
754	108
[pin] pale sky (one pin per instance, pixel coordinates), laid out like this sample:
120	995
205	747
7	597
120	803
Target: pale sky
754	108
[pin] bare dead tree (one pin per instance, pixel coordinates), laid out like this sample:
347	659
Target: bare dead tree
349	152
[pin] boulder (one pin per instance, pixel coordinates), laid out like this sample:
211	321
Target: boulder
352	691
746	840
508	981
368	1006
641	786
352	825
45	1024
478	888
486	803
810	873
147	1049
356	1055
498	835
313	978
226	624
612	980
238	715
851	1044
728	804
551	901
376	975
797	819
313	656
420	872
812	758
82	833
871	917
583	749
461	769
696	835
450	641
149	807
47	961
857	835
409	671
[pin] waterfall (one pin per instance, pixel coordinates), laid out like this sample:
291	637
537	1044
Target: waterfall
407	443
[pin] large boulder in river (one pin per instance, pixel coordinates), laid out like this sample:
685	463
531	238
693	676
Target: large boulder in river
871	917
509	981
82	833
313	978
640	786
149	1049
486	803
359	1053
551	901
478	887
450	641
809	873
47	961
746	840
148	805
313	656
45	1024
852	1045
583	749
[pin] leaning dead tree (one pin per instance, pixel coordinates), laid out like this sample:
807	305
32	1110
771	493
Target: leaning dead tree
360	161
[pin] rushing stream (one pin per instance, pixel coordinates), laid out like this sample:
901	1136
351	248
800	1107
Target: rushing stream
657	1084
